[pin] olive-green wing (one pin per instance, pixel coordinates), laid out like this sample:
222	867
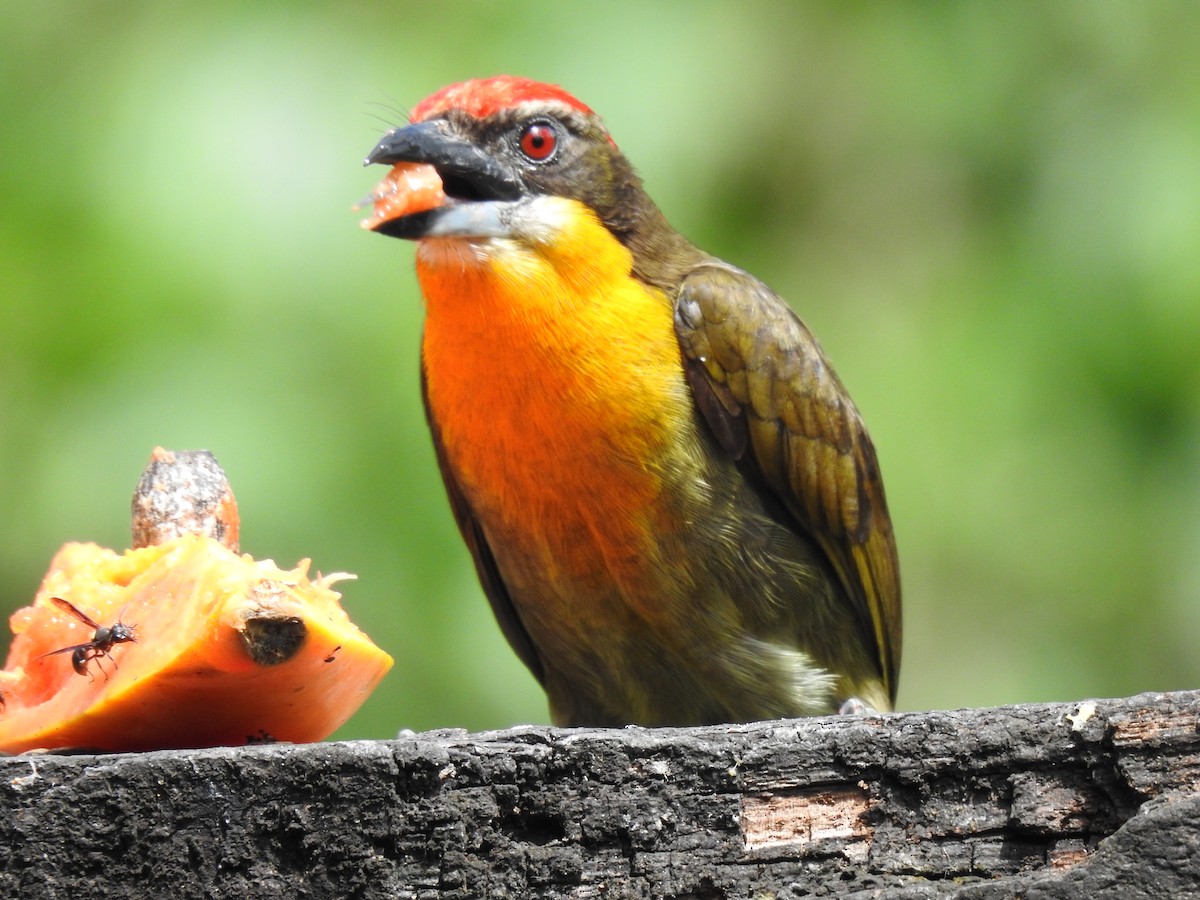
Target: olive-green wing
767	391
485	563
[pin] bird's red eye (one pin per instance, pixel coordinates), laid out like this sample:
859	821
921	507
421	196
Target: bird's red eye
538	141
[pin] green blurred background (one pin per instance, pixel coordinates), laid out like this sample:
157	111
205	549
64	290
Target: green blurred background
989	213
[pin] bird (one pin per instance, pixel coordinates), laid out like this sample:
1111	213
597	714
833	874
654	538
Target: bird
672	503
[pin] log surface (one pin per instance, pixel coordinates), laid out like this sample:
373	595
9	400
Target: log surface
1094	799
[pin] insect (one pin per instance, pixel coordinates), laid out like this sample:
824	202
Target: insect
102	641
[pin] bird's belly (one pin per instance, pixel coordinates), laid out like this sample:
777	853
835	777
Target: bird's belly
577	506
661	594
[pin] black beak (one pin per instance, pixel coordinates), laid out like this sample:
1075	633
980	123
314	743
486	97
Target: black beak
467	171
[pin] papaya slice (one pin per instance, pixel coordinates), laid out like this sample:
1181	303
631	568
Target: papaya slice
216	648
406	189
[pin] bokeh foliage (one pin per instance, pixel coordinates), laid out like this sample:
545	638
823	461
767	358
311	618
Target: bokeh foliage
990	213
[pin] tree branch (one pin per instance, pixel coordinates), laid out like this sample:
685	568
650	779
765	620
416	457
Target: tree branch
1092	799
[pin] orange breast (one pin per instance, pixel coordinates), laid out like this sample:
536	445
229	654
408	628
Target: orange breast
556	383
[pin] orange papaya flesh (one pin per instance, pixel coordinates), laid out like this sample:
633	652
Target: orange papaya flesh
406	189
226	650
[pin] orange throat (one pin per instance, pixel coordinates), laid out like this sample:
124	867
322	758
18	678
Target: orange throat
555	382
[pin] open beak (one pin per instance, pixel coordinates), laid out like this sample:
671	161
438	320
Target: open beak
440	185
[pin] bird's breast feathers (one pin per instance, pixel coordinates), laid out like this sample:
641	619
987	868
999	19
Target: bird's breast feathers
555	380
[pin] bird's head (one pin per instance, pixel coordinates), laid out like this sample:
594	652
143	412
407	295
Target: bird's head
495	158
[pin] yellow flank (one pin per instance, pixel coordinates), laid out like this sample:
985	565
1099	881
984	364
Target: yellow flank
555	381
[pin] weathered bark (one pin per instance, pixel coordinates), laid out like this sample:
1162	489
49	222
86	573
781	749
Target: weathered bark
1047	801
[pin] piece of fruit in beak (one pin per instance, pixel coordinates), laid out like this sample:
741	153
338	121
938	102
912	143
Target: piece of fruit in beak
408	188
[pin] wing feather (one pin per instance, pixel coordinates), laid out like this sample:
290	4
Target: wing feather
764	386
